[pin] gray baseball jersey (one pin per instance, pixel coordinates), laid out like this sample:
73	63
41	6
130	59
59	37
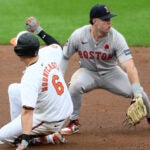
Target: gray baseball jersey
97	56
98	65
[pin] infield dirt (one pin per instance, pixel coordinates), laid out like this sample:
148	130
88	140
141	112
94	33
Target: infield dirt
102	113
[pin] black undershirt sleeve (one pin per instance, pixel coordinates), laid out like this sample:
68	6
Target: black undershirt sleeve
48	39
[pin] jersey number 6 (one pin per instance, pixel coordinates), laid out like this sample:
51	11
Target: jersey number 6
57	85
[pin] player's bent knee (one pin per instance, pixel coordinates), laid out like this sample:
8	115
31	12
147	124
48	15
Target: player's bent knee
13	88
76	88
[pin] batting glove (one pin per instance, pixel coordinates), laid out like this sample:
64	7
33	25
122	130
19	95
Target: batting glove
32	25
24	143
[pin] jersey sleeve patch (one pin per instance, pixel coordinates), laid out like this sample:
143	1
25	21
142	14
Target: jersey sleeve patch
127	52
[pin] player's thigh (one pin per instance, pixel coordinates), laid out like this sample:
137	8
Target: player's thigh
117	82
40	128
83	80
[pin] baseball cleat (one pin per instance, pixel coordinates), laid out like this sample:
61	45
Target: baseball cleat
73	127
1	142
58	138
148	120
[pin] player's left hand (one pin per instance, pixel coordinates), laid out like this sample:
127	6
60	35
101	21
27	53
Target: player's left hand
24	143
32	25
136	112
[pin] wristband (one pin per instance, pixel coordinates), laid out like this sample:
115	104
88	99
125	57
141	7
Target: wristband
38	30
136	89
26	137
24	142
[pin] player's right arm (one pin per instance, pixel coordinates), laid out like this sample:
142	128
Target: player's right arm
32	25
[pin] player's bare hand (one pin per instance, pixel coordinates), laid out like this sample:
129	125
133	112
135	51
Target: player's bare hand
32	25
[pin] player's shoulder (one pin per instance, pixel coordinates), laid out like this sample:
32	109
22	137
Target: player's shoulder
81	30
50	47
114	32
49	53
80	33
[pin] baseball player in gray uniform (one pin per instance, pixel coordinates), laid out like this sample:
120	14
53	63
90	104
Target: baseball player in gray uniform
99	47
41	103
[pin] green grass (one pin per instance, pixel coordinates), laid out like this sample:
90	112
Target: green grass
61	17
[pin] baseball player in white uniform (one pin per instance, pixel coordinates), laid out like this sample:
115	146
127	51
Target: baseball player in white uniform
41	103
99	47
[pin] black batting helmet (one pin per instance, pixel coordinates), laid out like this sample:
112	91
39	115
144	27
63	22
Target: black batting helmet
26	44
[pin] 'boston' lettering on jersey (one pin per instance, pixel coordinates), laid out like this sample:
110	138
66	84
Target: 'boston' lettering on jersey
94	55
46	72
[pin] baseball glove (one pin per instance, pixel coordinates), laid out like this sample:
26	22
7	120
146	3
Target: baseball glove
136	112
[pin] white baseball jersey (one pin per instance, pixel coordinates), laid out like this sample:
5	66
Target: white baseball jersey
43	87
97	56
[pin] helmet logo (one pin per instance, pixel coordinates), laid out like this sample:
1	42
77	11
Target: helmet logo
107	9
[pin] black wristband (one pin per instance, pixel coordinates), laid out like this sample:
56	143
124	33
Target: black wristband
48	39
26	137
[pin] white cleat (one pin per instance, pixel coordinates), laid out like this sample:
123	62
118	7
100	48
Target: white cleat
1	142
73	127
